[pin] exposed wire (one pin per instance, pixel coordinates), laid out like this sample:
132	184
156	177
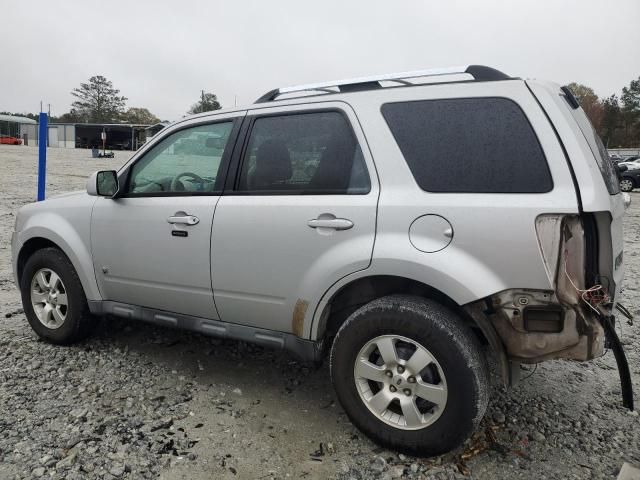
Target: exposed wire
535	367
626	313
593	296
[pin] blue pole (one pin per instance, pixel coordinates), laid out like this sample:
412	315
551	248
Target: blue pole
43	136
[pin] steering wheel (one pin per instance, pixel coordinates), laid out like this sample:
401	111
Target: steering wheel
175	181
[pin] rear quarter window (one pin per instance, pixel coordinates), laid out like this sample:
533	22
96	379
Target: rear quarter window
469	145
600	154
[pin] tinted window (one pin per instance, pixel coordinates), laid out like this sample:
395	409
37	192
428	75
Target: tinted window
303	153
186	161
598	149
480	145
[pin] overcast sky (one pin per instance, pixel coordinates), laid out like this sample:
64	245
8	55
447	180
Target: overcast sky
160	54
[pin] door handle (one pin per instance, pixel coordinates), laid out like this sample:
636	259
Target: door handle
334	223
183	218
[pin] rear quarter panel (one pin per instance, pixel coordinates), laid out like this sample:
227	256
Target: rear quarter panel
494	246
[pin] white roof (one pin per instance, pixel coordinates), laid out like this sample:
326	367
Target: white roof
16	119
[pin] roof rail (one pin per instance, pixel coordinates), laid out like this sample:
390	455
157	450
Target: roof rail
480	73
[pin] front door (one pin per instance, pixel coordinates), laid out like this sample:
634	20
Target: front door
299	216
151	245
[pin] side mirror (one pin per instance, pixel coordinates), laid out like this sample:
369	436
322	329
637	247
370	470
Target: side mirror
103	184
621	168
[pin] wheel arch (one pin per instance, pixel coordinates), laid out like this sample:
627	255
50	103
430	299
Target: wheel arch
29	248
360	291
73	248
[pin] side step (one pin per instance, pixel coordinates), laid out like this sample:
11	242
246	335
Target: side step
306	350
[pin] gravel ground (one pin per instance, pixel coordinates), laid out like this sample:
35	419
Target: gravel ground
138	401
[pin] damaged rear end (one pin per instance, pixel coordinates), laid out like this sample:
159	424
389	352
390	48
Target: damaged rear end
537	325
582	255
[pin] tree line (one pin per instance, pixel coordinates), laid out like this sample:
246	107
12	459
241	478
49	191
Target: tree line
616	119
98	101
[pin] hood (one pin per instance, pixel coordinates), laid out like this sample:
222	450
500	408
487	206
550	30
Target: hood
67	194
63	205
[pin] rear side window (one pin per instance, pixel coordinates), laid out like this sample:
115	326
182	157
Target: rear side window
469	145
303	153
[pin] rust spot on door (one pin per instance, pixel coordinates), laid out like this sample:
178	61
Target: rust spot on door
297	322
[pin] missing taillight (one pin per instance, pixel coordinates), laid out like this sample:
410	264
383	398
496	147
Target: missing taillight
563	246
543	319
594	296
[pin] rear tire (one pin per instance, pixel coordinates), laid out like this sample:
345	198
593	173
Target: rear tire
410	374
53	298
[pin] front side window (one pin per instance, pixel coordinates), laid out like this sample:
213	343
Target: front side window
308	153
186	162
469	145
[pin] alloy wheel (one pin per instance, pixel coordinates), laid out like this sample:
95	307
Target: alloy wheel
400	382
49	298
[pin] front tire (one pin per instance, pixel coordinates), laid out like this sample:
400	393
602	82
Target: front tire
410	374
53	299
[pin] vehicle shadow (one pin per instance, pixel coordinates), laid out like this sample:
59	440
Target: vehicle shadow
258	372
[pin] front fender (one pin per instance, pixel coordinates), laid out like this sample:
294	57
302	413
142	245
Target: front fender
73	241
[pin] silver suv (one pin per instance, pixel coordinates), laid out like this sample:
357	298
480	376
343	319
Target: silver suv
398	225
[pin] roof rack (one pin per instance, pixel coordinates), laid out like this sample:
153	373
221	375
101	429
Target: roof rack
480	73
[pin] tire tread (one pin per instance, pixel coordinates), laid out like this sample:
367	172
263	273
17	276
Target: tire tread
439	322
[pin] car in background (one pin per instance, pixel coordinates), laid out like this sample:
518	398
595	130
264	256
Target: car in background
615	158
9	140
632	163
630	179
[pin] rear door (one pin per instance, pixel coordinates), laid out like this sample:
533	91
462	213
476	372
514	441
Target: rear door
299	213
